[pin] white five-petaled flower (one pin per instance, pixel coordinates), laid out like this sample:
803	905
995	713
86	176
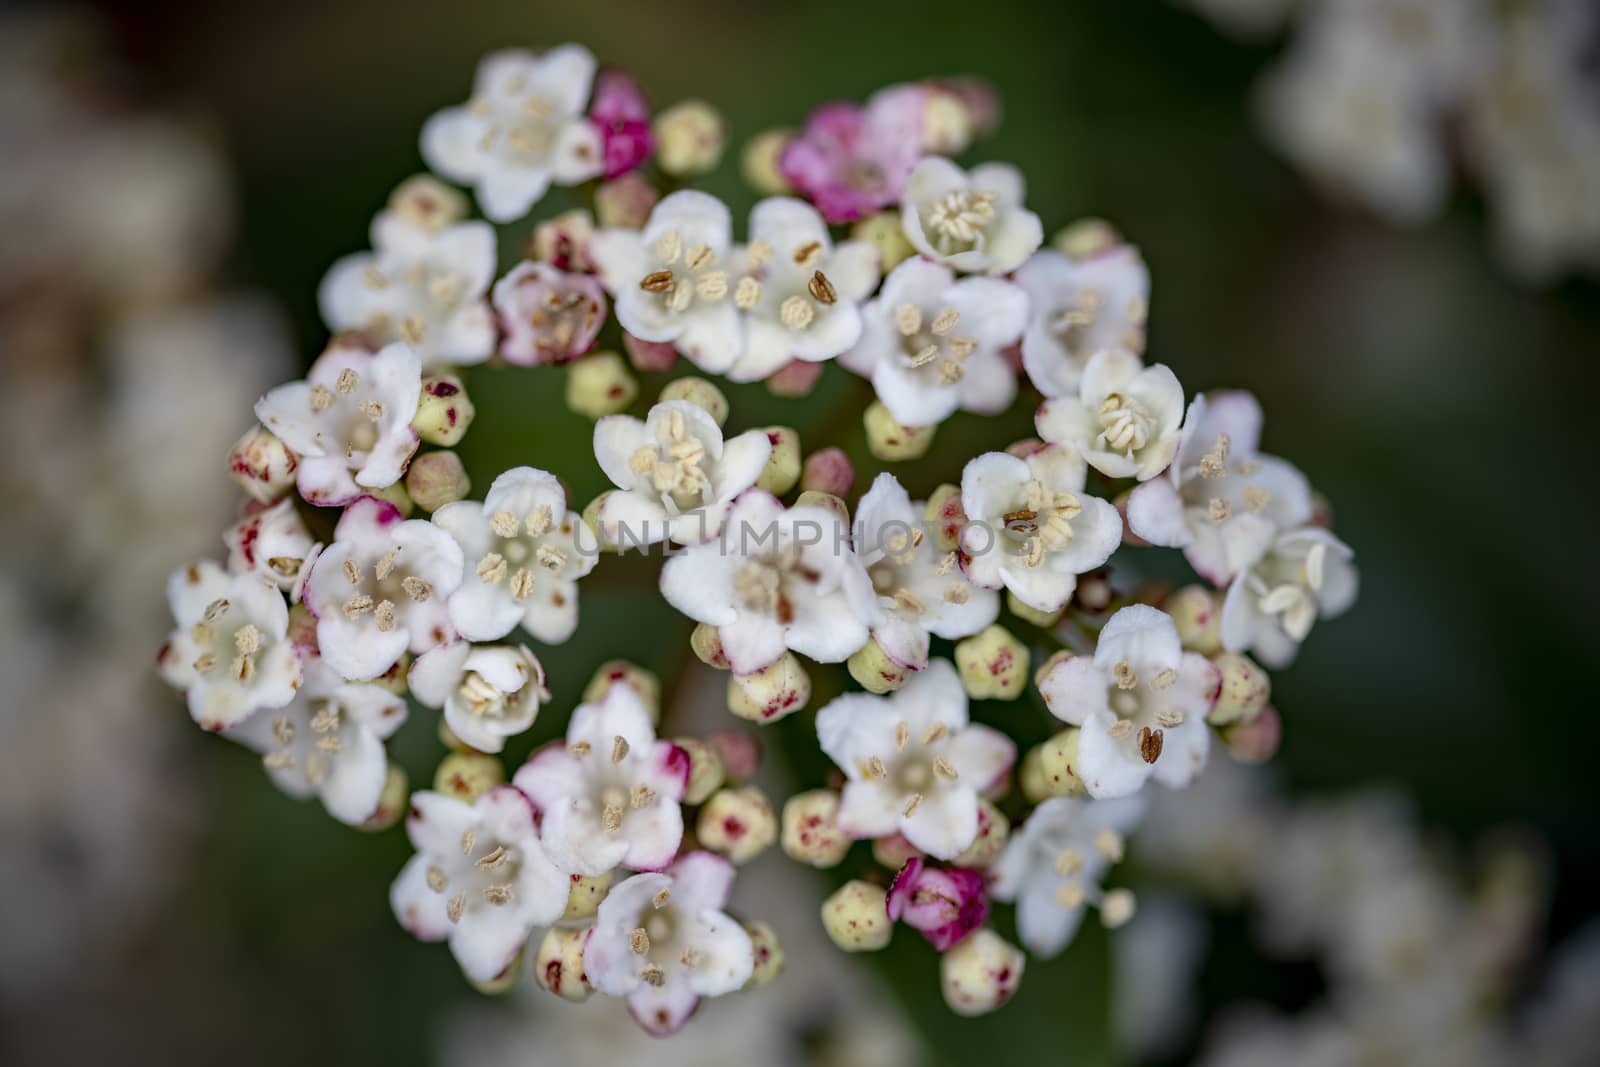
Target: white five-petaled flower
269	542
671	282
349	420
921	590
675	475
328	742
1053	864
523	129
523	559
1221	495
663	942
229	650
801	295
1031	527
419	285
931	344
480	878
1125	418
914	763
1140	702
973	221
1285	582
488	693
775	579
1079	306
609	795
380	589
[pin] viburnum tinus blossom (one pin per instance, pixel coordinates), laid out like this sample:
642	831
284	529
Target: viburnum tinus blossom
620	112
1221	495
1125	419
349	420
932	345
1079	306
380	589
663	941
420	284
921	589
328	741
523	129
775	579
913	761
1285	583
675	475
609	795
944	904
480	879
547	316
523	558
852	160
230	650
1140	703
270	542
488	693
972	221
1031	527
1053	864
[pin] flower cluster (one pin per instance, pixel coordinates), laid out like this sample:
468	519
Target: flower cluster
361	572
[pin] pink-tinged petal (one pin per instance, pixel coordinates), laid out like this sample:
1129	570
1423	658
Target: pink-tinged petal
551	774
1075	689
1155	514
667	773
419	909
701	882
326	482
662	1010
944	904
869	809
944	824
981	756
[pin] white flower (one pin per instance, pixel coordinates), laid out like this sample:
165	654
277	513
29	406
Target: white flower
800	294
1285	583
349	420
271	543
1078	307
931	344
480	878
609	796
523	129
380	589
1141	702
974	222
523	557
328	742
1220	494
663	941
229	650
1031	527
675	475
914	764
670	281
418	285
775	579
488	694
921	590
1125	418
1053	864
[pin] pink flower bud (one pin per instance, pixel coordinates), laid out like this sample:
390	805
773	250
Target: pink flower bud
1255	741
828	471
620	112
740	752
944	903
625	202
795	378
649	355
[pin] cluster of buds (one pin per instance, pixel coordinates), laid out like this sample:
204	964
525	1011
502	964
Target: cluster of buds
622	844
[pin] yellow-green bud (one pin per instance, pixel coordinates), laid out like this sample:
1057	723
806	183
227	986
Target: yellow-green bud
1058	765
769	954
262	464
506	980
946	123
856	917
620	672
871	666
893	850
945	514
428	203
1246	688
586	893
1030	776
466	776
892	442
448	738
993	831
699	392
444	411
393	680
706	643
1086	237
738	823
435	479
591	519
979	974
783	464
886	234
1197	613
600	384
810	498
1030	614
993	664
779	689
394	494
759	162
558	965
705	769
811	831
689	138
391	801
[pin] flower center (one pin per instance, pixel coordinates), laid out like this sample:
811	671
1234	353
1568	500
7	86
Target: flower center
225	637
1043	523
311	746
958	219
676	464
684	274
1124	424
481	698
521	541
484	876
388	586
935	346
1144	708
760	584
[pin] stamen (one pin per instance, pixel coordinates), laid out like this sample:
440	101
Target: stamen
495	859
821	289
498	895
522	584
956	593
1069	862
247	639
455	906
1069	895
550	557
656	281
806	255
945	321
579	748
1255	497
1218	509
347	381
653	976
902	734
538	521
659	901
1109	844
945	769
1165	679
384	566
876	769
639	941
912	805
352	573
747	294
908	319
699	257
283	732
1117	907
385	614
935	733
669	248
504	524
796	313
417	589
492	568
469	841
215	610
437	879
1150	742
357	606
321	399
643	796
611	818
1126	677
619	749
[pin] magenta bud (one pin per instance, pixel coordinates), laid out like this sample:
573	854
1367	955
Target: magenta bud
828	470
944	903
649	355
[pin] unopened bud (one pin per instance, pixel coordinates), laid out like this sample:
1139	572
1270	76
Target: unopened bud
779	689
828	470
871	666
1030	776
599	384
586	893
993	664
625	202
262	465
689	138
705	769
1030	614
1058	765
1245	690
466	776
302	628
699	392
444	411
993	831
591	519
706	643
740	752
1027	446
428	203
759	162
893	850
856	917
783	464
448	738
506	980
649	356
795	378
645	685
558	966
810	498
768	954
1086	237
392	800
892	442
394	494
946	123
811	833
435	479
1197	614
980	973
738	823
1255	741
563	242
945	514
393	680
887	235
